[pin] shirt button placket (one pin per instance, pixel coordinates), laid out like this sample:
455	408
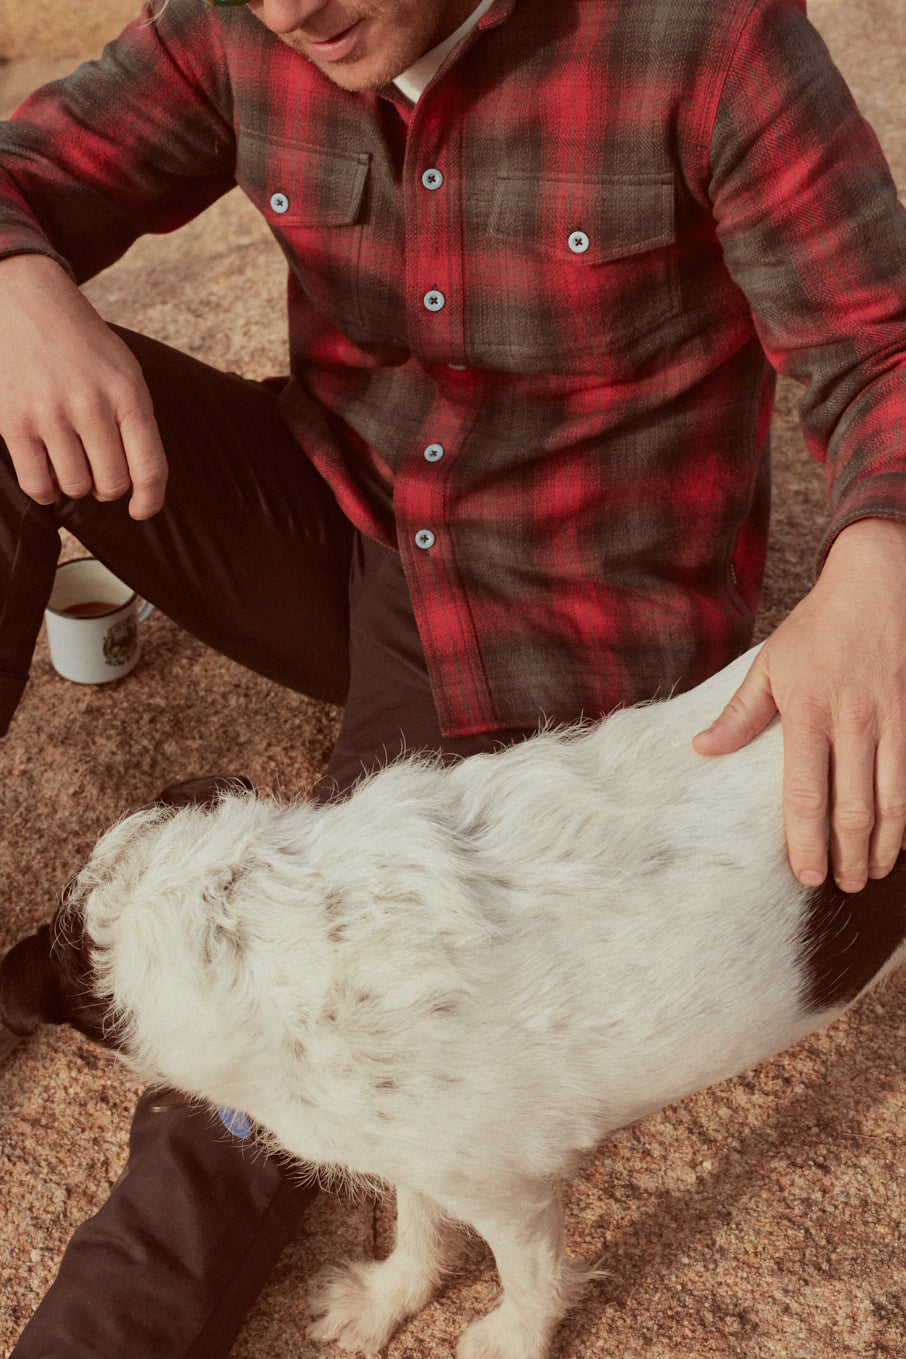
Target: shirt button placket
435	201
424	538
432	180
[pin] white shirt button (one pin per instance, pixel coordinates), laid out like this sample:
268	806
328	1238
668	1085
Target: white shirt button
432	179
578	242
434	300
425	539
279	203
434	452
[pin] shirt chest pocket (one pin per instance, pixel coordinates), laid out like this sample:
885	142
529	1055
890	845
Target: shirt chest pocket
576	269
313	201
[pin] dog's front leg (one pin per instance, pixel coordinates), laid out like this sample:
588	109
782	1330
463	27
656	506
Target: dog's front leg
364	1301
525	1233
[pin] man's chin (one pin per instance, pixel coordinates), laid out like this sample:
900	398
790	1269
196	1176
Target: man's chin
347	77
358	75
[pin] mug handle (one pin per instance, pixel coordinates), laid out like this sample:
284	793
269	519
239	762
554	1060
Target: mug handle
145	608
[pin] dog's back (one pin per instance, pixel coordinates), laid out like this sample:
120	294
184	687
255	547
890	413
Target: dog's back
555	939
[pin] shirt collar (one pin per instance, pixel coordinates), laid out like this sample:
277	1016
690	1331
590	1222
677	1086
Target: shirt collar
413	81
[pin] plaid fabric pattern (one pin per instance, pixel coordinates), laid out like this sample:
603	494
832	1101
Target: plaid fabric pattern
533	340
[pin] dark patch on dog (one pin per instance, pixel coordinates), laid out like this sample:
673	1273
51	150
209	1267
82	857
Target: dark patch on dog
445	1006
849	936
334	903
661	858
29	989
234	879
48	981
221	940
203	791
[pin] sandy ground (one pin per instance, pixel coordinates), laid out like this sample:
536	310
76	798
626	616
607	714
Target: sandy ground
762	1218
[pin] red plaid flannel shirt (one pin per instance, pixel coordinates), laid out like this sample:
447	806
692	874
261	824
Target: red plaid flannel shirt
530	324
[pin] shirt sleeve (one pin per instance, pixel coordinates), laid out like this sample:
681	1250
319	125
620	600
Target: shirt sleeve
813	233
139	141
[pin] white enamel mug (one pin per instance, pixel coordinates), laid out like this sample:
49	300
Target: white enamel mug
92	623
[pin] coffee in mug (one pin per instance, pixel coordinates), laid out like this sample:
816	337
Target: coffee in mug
92	621
92	608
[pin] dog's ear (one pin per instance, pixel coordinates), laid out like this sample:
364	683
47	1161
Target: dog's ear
30	990
47	982
203	791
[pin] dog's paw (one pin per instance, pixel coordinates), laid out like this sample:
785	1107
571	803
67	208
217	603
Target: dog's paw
500	1335
360	1304
342	1302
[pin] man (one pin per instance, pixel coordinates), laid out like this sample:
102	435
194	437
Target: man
532	288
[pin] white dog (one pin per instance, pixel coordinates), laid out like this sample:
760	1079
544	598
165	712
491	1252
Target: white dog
459	978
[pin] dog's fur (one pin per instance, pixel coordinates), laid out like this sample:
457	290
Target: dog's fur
459	978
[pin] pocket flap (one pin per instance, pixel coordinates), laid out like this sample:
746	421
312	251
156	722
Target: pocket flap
584	219
298	184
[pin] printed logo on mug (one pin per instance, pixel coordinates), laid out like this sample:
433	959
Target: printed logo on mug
92	623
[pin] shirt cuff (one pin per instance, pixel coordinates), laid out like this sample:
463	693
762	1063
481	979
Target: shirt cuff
36	247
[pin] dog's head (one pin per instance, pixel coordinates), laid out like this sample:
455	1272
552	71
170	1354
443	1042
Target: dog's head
50	977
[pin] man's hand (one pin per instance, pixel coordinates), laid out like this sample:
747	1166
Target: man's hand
75	412
835	670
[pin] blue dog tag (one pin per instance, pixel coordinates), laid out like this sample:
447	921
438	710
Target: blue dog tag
240	1125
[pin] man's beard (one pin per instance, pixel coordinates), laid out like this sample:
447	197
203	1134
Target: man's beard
394	64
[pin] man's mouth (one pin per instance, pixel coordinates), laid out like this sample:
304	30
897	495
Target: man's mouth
337	47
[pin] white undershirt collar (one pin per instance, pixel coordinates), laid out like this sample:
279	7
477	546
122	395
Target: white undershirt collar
414	81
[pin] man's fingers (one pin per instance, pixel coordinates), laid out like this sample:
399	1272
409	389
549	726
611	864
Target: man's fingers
852	805
147	464
99	456
864	813
806	770
890	810
126	454
33	471
121	439
68	462
748	712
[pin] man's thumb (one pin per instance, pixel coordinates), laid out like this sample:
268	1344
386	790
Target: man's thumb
748	712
